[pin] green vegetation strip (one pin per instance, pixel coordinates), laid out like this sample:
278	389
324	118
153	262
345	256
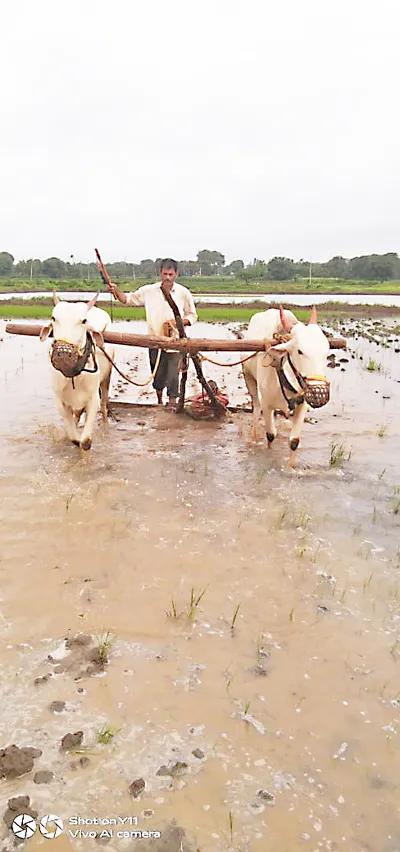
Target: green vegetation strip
212	285
217	314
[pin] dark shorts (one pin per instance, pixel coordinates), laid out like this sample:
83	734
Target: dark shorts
167	375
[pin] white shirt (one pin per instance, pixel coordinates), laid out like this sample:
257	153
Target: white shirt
157	308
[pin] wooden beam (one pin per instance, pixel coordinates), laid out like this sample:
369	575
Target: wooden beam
186	344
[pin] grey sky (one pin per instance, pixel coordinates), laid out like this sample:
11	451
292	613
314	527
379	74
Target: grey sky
256	128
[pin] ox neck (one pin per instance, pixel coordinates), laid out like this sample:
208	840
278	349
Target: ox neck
287	382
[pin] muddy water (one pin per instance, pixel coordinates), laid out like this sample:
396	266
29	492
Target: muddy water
299	700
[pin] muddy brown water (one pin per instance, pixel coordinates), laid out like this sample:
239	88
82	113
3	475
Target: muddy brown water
299	700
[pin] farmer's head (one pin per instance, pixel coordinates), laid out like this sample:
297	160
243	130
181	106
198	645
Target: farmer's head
169	270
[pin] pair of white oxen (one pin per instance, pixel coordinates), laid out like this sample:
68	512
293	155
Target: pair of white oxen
279	379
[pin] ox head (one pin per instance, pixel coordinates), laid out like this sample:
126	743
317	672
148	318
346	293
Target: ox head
70	321
308	346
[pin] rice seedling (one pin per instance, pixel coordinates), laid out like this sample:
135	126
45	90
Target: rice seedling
396	501
231	826
367	583
382	431
172	613
229	678
291	614
338	455
302	546
382	473
302	519
373	518
104	643
281	518
235	615
316	553
194	603
106	735
374	366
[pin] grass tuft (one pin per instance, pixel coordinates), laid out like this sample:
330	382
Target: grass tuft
106	735
338	455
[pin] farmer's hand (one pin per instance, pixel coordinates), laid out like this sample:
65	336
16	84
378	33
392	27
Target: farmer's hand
117	293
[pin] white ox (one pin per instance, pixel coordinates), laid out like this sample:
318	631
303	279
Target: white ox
85	393
307	349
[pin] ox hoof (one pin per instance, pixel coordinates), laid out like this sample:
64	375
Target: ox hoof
270	438
86	444
77	444
294	443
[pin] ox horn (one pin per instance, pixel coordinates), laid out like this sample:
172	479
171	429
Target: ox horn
55	298
93	301
286	322
313	318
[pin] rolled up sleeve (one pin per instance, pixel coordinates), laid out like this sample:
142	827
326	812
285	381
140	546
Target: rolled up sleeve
137	298
190	309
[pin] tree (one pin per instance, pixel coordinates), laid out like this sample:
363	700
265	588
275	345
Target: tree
53	267
337	267
280	268
380	268
189	268
147	268
235	268
6	263
120	270
214	258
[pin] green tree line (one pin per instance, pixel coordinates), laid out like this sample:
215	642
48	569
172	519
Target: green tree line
371	267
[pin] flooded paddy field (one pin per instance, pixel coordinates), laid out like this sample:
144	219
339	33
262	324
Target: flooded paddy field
220	634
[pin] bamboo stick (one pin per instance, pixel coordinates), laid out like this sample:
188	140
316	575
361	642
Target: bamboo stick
188	345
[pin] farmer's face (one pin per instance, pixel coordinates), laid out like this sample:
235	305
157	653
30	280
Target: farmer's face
168	276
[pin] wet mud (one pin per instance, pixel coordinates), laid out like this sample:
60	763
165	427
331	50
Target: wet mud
190	634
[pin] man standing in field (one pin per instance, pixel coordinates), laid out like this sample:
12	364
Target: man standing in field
161	321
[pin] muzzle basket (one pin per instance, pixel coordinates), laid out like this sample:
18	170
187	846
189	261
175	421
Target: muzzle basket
316	393
66	358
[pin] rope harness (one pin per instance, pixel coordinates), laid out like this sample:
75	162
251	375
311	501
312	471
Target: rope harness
315	390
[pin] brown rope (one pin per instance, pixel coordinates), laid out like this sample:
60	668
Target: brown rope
124	376
233	364
278	338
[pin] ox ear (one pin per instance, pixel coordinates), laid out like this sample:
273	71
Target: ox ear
287	323
98	338
93	301
313	318
45	331
275	353
55	298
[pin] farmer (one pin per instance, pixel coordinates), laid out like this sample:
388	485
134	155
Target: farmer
160	321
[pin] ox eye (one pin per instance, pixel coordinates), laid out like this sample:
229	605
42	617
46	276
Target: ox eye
300	352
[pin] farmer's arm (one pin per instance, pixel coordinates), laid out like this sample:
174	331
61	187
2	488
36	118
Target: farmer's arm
189	314
136	298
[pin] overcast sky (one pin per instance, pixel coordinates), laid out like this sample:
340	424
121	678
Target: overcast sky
163	127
